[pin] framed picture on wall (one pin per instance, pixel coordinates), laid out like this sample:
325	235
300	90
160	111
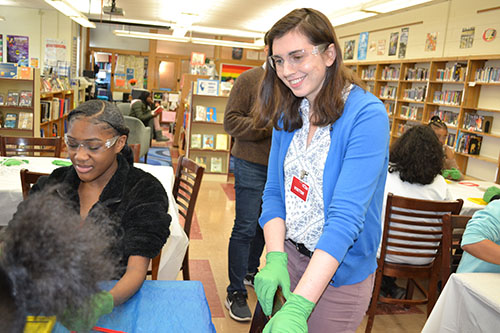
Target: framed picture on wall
230	72
197	58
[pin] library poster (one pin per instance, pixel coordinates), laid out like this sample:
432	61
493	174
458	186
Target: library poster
349	49
403	42
431	41
1	48
229	71
363	45
381	47
467	38
17	48
372	47
393	43
55	51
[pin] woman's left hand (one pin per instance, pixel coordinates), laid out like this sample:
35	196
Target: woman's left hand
292	317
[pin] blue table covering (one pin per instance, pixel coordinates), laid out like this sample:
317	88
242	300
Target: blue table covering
160	306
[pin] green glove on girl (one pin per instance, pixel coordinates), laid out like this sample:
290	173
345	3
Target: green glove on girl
292	317
84	319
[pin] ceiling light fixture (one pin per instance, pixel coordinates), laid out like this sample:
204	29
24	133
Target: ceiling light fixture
258	44
351	17
68	10
393	5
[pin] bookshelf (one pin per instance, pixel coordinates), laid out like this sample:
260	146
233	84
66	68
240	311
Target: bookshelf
463	91
21	120
54	108
206	141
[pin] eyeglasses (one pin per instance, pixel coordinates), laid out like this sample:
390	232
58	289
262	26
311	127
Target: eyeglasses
93	146
295	58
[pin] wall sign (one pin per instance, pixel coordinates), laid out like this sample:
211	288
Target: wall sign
489	35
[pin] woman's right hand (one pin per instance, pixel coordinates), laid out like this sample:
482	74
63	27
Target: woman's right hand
274	274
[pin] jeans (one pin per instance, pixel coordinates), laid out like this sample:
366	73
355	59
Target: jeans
247	239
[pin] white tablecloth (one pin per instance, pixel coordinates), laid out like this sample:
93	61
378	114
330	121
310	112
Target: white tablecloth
470	302
173	251
467	189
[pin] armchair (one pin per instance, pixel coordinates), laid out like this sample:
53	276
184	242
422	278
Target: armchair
138	134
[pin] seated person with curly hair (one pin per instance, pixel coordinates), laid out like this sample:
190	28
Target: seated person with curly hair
415	162
450	167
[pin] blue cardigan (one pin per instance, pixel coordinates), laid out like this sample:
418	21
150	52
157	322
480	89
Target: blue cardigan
353	186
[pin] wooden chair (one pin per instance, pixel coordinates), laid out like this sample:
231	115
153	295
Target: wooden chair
186	187
28	178
29	146
406	227
259	319
136	149
451	257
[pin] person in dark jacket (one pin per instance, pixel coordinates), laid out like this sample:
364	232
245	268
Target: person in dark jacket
141	109
103	180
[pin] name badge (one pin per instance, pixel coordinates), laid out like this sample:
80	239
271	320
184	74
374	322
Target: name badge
299	188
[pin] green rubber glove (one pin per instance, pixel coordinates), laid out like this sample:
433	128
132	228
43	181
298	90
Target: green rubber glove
80	320
274	274
452	174
61	163
490	193
292	318
13	162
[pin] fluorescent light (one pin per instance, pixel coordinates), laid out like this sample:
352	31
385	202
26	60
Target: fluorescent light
394	5
68	10
351	17
227	32
259	44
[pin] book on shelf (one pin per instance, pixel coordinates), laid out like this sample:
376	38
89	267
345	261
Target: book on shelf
55	108
25	73
468	143
2	99
200	113
211	114
25	120
221	141
478	123
216	164
12	98
25	98
201	160
195	140
208	141
159	109
487	74
450	140
45	111
10	120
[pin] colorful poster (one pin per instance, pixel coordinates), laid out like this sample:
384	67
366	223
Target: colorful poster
55	51
381	47
431	41
1	48
232	71
363	45
393	43
372	47
403	42
467	38
17	48
130	73
349	49
488	35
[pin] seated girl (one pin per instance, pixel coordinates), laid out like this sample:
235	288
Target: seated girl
141	108
103	179
450	167
415	162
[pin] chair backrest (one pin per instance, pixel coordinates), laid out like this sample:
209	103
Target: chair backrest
414	227
29	146
136	149
138	134
456	227
124	108
28	178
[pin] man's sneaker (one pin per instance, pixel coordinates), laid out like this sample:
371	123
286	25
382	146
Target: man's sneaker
236	303
248	280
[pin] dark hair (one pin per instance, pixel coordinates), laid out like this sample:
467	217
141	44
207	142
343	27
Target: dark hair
437	123
51	259
12	316
104	113
144	96
276	99
417	155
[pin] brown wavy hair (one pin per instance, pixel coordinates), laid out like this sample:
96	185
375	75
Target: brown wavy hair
276	100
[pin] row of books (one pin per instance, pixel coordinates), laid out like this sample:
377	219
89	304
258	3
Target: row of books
475	122
451	97
488	74
54	83
21	98
412	112
449	117
21	120
215	163
206	141
421	74
455	73
468	143
54	109
414	94
390	73
205	113
388	92
389	106
368	74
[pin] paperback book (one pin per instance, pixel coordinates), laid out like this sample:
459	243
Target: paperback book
25	98
10	120
201	160
208	141
200	113
25	120
221	142
195	140
216	164
211	114
2	99
12	98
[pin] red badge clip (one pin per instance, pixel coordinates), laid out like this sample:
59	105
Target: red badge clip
299	188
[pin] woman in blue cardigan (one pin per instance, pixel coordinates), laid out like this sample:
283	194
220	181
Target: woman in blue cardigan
327	168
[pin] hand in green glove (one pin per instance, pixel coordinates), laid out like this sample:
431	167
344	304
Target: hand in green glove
490	193
274	274
292	318
452	174
84	319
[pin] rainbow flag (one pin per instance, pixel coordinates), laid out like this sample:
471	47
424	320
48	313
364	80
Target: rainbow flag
233	71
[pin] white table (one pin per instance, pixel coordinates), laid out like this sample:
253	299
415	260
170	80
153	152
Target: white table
173	251
470	302
467	189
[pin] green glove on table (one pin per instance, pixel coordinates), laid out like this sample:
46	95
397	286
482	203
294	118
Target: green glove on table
274	274
490	193
13	162
451	174
61	163
292	317
80	320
